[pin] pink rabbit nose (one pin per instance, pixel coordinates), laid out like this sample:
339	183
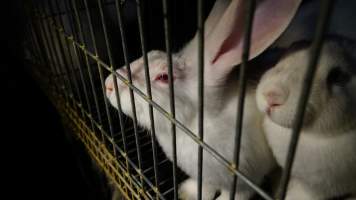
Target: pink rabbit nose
109	84
109	87
275	97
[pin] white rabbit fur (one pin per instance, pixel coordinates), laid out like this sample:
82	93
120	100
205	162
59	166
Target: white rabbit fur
219	128
222	53
324	165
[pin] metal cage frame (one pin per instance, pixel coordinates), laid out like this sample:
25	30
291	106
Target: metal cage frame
66	86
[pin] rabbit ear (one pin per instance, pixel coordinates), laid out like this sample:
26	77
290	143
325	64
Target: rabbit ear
214	16
223	46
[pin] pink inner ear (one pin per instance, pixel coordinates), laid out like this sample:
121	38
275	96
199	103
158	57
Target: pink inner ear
270	23
236	32
270	20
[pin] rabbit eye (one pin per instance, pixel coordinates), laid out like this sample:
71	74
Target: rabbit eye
162	78
337	77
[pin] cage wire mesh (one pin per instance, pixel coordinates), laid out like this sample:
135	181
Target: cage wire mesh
71	51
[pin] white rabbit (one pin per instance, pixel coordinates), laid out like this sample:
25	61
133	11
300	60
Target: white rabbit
223	38
325	162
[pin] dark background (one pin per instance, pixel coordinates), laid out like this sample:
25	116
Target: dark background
39	161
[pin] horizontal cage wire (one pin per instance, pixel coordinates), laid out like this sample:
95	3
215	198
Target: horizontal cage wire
74	45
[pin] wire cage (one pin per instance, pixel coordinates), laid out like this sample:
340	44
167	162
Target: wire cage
70	49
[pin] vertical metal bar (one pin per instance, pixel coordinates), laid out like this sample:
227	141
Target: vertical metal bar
250	11
102	82
31	35
31	45
117	92
149	92
57	61
76	55
90	73
43	36
63	45
34	46
122	128
47	48
323	20
50	53
171	92
61	50
39	34
71	64
132	98
200	94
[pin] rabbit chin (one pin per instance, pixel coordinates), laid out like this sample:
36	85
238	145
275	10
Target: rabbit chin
126	107
282	119
285	117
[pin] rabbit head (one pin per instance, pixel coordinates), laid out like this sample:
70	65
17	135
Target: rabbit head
223	47
330	105
159	81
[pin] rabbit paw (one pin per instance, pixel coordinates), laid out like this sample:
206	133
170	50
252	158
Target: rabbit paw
188	190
